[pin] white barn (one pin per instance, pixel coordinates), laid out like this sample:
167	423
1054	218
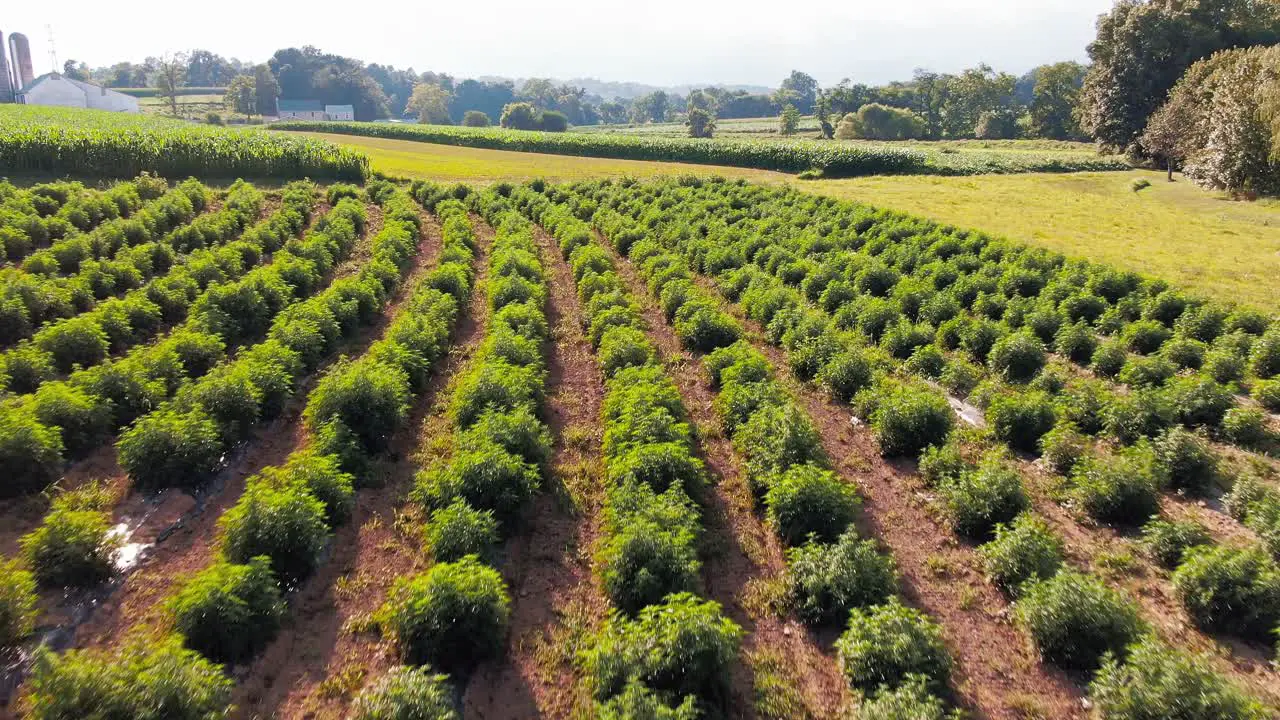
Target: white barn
55	89
339	112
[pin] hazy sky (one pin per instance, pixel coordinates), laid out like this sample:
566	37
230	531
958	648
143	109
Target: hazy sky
661	42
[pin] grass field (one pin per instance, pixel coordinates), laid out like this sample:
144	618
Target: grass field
1228	250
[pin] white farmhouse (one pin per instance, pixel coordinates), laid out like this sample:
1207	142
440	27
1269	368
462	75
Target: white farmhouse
55	89
339	112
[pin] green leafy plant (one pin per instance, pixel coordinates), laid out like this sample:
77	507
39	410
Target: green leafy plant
886	645
1025	550
1076	620
827	580
226	612
407	693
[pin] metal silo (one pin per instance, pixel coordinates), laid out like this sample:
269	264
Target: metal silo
6	77
20	55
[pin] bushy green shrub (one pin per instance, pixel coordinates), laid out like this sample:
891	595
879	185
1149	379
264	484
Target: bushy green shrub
407	693
1142	371
495	386
452	616
776	438
827	580
1146	336
1109	358
1185	461
487	477
912	700
226	612
518	431
681	647
1077	342
1120	490
1199	402
81	418
1076	620
1267	393
369	398
846	374
1168	541
1018	357
73	547
145	680
460	530
1063	447
658	465
1246	427
886	644
637	702
623	347
229	397
18	611
322	476
1229	589
1144	413
1185	353
651	549
1021	419
1158	682
979	501
30	451
75	341
1264	359
807	502
171	449
1225	365
1025	550
284	522
909	418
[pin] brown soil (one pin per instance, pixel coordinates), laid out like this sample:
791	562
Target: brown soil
554	593
744	558
320	659
997	673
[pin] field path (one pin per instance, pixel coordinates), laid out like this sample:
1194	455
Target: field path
322	656
743	557
555	597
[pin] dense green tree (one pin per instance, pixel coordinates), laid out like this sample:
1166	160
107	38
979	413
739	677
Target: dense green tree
932	98
487	97
206	69
613	112
309	74
75	70
973	92
430	103
519	116
804	90
652	107
241	96
1144	46
171	74
789	121
265	90
1053	100
701	124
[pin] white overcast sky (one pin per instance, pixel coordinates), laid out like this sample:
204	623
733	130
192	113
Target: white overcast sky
661	42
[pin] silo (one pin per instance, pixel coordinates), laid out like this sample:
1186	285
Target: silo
20	55
6	79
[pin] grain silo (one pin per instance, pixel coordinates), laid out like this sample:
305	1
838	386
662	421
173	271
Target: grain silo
20	56
6	78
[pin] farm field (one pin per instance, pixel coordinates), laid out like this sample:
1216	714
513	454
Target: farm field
524	449
834	159
191	107
1234	247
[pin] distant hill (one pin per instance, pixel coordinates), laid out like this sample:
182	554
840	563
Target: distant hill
609	89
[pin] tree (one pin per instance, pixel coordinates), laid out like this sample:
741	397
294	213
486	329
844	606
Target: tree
613	112
242	96
553	121
431	104
1143	47
973	92
486	97
701	100
803	88
822	112
171	74
73	70
1054	97
701	123
931	98
652	107
1162	140
205	69
519	116
308	73
475	118
789	121
265	90
874	121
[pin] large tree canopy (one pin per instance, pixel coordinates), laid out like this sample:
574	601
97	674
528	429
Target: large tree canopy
308	74
1144	46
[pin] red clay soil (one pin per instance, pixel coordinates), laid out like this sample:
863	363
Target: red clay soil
321	657
548	570
743	554
997	673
